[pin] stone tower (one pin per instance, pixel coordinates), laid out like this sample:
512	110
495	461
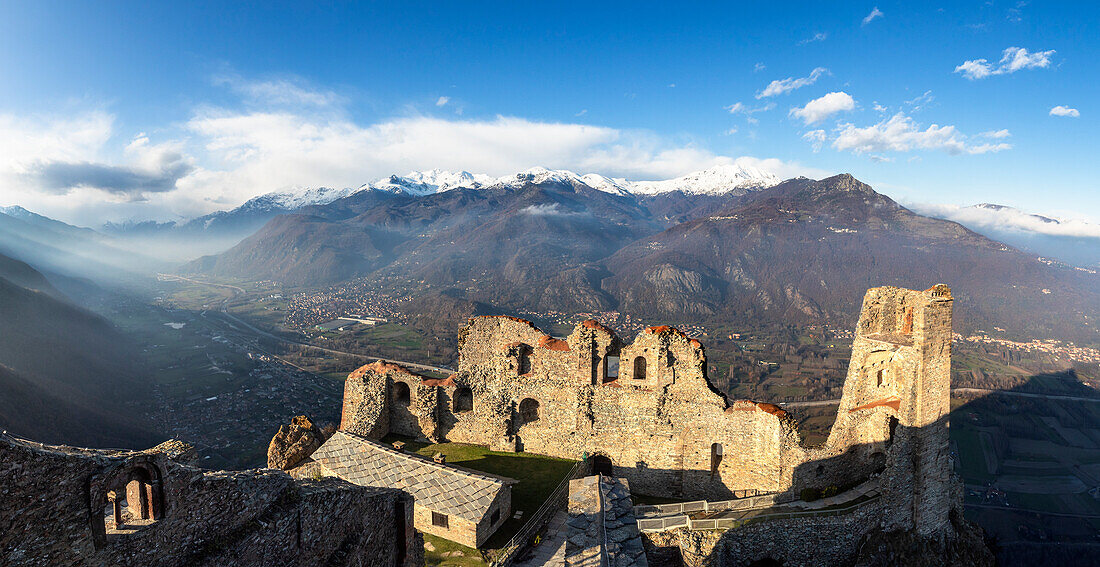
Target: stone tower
897	396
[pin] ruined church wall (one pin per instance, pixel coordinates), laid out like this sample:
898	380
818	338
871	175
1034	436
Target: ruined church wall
663	432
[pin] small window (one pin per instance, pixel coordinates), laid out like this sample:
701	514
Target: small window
715	457
494	517
639	368
439	520
401	393
524	362
463	400
611	369
878	376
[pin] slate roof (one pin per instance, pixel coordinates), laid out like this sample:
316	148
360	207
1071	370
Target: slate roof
443	488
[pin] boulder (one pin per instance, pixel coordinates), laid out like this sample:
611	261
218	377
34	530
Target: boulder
293	443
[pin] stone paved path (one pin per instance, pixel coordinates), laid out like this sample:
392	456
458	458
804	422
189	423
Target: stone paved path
552	549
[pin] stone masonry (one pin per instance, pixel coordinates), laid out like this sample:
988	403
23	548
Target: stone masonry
602	528
84	507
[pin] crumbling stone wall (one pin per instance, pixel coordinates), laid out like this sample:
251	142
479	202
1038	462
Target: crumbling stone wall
53	500
668	432
800	542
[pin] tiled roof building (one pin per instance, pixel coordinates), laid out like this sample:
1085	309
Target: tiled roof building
451	502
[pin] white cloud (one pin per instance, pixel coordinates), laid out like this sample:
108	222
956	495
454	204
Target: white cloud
1064	111
1009	219
880	158
780	86
759	67
996	134
742	108
550	210
442	100
818	36
919	102
816	139
222	156
875	13
1013	59
821	108
900	133
280	92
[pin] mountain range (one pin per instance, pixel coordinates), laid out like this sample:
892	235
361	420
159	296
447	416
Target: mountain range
1070	240
722	245
65	373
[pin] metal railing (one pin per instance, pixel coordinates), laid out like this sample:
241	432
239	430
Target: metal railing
557	500
684	521
717	506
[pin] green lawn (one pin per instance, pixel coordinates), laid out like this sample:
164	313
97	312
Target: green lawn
538	475
449	553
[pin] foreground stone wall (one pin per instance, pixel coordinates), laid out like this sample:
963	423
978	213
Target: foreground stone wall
802	542
648	408
53	502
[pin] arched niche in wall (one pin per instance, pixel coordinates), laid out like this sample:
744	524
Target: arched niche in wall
130	500
528	411
463	399
401	393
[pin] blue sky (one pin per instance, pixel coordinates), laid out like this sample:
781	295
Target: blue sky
154	110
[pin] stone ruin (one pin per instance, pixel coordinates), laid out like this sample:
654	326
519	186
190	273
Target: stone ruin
66	506
645	412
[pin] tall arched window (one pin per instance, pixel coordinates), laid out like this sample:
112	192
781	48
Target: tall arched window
639	368
715	457
463	399
401	393
528	410
524	360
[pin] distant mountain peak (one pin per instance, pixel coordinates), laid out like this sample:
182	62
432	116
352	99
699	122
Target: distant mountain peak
1006	208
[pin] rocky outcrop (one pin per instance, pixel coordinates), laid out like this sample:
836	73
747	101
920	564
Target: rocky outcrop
293	443
964	548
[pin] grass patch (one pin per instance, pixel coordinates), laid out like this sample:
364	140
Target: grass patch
448	553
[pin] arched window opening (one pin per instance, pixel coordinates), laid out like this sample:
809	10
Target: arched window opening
401	393
133	501
878	376
528	410
601	464
715	458
464	399
639	368
893	424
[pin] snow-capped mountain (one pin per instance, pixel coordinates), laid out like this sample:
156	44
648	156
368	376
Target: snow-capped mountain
718	180
733	179
292	200
420	183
